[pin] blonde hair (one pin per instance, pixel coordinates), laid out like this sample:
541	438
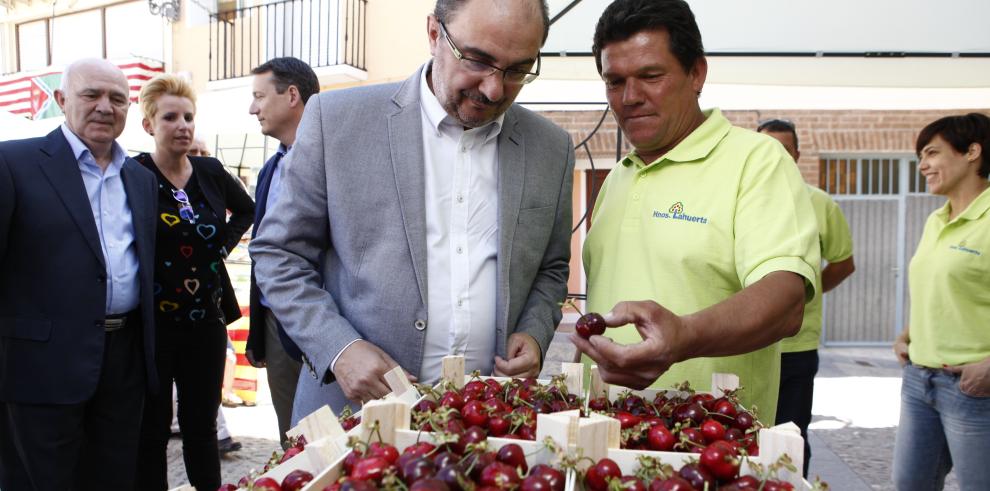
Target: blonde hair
167	84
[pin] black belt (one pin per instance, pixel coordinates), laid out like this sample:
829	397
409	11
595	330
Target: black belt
114	322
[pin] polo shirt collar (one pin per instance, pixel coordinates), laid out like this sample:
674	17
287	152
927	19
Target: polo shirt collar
974	211
698	145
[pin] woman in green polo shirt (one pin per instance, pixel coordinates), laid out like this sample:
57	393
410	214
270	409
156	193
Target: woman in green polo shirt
945	392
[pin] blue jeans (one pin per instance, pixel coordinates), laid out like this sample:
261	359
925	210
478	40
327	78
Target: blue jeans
940	429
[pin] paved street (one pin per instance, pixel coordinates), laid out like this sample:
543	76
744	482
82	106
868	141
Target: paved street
852	434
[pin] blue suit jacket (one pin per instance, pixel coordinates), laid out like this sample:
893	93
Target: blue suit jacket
52	272
256	333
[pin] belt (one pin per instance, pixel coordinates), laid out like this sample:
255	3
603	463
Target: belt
114	322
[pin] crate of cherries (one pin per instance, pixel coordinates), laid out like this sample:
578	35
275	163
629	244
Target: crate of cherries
720	466
387	454
679	420
499	407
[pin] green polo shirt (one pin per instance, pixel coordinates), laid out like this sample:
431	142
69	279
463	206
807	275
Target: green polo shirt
836	245
717	213
949	278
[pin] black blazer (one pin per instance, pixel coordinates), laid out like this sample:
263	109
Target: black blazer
223	192
52	272
256	333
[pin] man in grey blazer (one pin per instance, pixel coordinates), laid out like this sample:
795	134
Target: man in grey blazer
424	218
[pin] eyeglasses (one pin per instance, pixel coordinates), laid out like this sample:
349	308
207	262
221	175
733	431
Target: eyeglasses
185	208
775	124
484	69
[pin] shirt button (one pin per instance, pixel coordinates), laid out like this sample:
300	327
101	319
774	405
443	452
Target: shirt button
460	303
460	198
459	249
420	324
463	149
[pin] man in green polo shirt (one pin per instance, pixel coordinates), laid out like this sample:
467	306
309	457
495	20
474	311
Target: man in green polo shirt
707	226
799	353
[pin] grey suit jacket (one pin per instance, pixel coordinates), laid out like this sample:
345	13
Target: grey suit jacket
342	254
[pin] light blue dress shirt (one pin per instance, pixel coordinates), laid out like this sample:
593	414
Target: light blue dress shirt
114	223
273	190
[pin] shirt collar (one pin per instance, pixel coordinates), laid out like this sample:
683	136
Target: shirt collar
696	146
437	115
282	149
81	151
974	211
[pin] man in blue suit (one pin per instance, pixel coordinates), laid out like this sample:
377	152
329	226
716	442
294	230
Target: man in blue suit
281	88
77	241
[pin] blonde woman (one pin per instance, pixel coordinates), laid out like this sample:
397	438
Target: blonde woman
193	297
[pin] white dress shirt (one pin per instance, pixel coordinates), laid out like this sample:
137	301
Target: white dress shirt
461	174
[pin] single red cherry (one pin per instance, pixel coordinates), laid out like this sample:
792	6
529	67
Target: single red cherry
598	476
296	480
721	460
266	484
590	324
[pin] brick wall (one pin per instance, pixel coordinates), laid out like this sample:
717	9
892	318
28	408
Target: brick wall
819	132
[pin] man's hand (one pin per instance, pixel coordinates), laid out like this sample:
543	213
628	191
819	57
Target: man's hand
901	347
524	357
360	371
974	378
636	365
249	354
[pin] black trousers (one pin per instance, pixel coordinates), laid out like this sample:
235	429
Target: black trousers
91	445
192	355
797	392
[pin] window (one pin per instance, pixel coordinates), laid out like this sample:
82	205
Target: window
77	36
133	32
870	175
119	31
32	45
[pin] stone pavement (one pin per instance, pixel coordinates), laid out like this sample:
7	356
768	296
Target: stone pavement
852	434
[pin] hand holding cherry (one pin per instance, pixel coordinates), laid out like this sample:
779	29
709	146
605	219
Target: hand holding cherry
637	365
590	324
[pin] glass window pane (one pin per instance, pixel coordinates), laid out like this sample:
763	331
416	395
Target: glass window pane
31	41
77	36
133	32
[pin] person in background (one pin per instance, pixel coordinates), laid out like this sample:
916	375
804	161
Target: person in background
709	223
799	353
945	390
77	241
281	88
194	299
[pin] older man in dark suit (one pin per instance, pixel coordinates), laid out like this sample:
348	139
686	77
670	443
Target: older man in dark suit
76	325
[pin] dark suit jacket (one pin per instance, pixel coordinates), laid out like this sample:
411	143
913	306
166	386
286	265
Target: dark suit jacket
223	192
256	335
52	272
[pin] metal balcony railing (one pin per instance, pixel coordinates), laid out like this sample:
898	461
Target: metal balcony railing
319	32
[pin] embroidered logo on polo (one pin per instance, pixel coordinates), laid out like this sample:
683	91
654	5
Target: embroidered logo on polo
962	248
676	212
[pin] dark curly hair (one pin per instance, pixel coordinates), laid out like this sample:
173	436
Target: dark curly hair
624	18
960	132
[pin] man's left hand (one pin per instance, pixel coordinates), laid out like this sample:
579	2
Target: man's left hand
524	357
974	378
